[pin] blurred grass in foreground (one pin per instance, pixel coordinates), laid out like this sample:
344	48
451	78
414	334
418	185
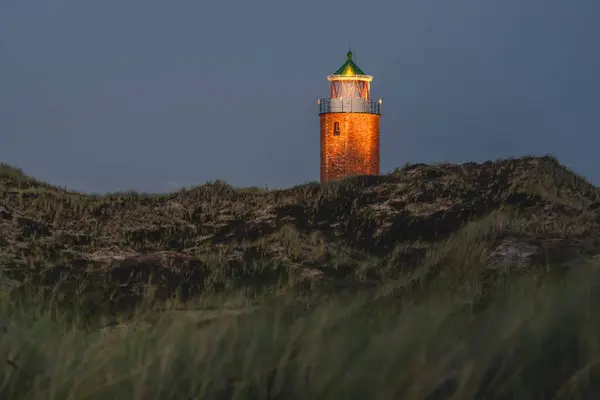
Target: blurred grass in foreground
537	341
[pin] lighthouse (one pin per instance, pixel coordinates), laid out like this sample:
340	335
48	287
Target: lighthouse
349	125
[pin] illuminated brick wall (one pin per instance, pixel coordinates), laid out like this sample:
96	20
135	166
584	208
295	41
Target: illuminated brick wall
355	150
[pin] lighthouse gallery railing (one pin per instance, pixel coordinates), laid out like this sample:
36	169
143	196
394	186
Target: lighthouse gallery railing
369	106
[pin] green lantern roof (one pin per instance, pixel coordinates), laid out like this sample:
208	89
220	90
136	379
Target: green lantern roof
349	68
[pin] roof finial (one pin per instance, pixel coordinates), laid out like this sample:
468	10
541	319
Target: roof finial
349	54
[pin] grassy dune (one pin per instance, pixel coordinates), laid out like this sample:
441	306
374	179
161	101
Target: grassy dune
535	341
433	282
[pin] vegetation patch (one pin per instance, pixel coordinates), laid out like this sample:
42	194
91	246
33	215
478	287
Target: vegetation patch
432	282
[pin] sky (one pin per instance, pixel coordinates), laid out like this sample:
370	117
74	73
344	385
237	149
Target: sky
152	95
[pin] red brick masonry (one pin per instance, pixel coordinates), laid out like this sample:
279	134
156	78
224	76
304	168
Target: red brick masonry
355	151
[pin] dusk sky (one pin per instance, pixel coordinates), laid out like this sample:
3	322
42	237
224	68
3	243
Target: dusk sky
153	95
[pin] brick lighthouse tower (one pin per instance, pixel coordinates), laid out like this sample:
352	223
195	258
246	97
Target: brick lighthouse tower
349	125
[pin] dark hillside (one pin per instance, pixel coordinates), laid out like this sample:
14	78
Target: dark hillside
493	218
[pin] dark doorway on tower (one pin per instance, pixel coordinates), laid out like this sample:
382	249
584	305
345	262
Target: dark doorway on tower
336	129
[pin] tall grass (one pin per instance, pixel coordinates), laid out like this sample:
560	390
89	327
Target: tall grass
534	341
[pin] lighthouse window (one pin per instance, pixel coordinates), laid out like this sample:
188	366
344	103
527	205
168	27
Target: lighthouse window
336	129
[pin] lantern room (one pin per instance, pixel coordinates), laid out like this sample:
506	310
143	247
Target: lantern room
349	91
349	82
